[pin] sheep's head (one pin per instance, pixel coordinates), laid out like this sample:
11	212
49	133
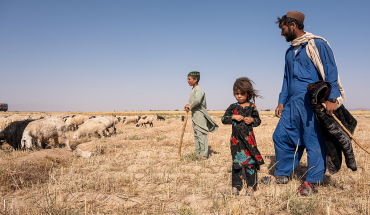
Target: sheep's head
137	125
27	141
76	136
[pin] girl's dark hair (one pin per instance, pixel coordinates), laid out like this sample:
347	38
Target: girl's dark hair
288	22
244	84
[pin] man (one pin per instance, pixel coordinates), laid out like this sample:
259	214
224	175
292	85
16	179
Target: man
309	59
202	122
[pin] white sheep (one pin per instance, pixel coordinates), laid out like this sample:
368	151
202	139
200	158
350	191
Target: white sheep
69	124
129	119
109	121
91	127
75	121
44	129
144	121
4	122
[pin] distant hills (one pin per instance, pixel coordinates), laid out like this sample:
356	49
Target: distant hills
366	109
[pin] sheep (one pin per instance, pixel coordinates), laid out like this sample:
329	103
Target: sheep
69	124
35	117
5	122
96	126
41	130
75	121
160	118
112	121
128	119
91	127
13	133
147	120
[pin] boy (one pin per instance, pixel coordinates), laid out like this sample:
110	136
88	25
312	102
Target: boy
202	122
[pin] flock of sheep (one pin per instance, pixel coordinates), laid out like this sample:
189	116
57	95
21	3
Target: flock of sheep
25	132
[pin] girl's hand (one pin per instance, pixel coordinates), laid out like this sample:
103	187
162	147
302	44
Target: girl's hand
248	120
237	117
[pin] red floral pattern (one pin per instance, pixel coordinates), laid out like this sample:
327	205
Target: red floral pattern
247	152
252	141
258	157
254	106
243	143
234	141
245	162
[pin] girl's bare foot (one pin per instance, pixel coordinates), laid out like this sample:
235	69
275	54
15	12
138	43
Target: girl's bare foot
250	191
235	191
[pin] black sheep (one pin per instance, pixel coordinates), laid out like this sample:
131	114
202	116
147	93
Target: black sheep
13	133
160	118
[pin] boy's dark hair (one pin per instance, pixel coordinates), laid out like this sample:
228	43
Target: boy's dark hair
288	22
244	84
195	77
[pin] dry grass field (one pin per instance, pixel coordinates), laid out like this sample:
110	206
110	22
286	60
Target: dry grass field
137	172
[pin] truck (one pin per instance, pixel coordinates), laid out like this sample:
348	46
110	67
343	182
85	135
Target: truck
3	107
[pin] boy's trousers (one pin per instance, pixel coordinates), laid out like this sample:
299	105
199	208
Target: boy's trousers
201	143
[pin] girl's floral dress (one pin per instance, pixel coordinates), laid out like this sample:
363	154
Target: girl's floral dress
244	151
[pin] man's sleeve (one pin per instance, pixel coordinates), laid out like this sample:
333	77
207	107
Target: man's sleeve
330	67
284	91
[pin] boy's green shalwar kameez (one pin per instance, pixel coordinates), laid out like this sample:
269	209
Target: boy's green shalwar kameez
202	122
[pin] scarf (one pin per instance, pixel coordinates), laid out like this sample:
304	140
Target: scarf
314	55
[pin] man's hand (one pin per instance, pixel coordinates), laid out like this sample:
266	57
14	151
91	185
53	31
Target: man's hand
330	107
187	108
279	110
248	120
237	117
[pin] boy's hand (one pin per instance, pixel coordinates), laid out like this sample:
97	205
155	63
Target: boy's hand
248	120
237	117
187	108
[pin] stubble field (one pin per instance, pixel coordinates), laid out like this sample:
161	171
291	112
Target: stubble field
137	172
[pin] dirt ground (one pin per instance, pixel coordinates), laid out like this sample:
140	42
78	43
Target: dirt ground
137	172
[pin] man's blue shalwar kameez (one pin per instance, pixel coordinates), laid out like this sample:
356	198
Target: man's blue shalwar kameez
298	124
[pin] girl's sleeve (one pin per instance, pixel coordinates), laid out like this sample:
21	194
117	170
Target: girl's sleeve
227	117
256	117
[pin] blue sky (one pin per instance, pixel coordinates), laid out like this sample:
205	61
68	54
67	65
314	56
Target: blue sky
135	55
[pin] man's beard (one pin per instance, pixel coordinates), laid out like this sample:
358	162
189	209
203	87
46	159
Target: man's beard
290	35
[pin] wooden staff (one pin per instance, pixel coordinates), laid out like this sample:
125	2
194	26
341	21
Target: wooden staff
182	135
344	128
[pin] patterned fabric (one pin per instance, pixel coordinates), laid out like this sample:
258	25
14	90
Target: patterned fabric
194	73
243	144
250	176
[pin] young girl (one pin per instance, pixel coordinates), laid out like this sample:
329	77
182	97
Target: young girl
202	122
243	116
